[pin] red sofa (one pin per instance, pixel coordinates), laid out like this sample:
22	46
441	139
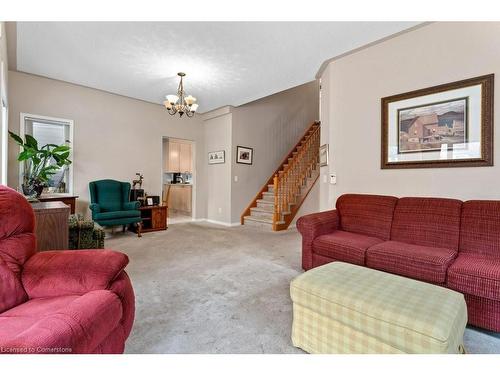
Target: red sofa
58	301
441	241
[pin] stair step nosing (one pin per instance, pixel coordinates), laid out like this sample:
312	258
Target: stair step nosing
262	209
262	220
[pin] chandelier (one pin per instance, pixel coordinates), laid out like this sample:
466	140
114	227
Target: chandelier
181	103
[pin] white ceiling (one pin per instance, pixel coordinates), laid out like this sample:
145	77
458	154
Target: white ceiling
227	63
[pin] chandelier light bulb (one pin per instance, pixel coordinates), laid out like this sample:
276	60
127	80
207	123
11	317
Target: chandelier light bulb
172	99
190	99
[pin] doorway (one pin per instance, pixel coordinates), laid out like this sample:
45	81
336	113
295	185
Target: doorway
178	179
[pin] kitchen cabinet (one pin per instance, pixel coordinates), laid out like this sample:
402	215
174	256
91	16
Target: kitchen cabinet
179	157
174	150
185	158
180	198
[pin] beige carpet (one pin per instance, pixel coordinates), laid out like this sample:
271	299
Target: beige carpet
202	288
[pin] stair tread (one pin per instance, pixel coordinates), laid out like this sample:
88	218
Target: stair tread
262	209
269	211
264	201
260	220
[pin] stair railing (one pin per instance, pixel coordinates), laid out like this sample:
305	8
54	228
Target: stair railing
288	182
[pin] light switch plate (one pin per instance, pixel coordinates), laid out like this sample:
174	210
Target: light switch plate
333	179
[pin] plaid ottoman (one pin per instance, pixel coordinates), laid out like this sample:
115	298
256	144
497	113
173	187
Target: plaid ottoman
343	308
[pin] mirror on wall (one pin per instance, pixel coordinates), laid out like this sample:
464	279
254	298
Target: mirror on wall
55	131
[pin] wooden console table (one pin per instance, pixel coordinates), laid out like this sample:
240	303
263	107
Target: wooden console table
70	200
51	225
154	218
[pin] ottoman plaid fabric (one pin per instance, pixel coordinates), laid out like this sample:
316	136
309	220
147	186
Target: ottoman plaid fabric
344	308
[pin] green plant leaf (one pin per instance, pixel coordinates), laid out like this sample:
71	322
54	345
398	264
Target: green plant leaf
24	155
16	138
49	167
31	141
60	149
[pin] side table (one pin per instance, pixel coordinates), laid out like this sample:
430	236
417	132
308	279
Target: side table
51	225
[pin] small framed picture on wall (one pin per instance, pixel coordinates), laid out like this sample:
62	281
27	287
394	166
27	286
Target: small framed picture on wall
216	157
323	155
244	155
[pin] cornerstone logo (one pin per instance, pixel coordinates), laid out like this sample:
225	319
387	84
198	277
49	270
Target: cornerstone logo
33	350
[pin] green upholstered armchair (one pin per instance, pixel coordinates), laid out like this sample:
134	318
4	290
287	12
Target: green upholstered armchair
110	204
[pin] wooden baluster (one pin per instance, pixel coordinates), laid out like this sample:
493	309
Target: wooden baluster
275	189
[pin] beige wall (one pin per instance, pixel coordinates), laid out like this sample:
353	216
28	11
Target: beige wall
218	129
350	109
3	93
114	136
271	126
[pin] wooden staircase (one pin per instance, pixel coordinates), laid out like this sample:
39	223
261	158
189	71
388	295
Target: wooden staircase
277	203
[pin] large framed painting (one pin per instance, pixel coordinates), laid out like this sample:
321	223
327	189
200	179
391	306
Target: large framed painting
449	125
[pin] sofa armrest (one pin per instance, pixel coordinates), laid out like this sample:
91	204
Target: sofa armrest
95	208
66	272
312	226
134	205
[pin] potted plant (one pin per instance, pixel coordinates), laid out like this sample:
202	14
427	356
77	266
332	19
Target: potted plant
39	163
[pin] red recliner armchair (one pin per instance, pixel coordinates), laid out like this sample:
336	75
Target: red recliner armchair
58	301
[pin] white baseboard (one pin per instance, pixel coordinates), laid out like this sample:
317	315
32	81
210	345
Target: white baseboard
223	223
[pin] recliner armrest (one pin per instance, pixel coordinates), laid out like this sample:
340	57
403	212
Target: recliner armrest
67	272
134	205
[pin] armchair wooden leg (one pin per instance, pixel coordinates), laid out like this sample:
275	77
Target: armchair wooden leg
139	229
124	228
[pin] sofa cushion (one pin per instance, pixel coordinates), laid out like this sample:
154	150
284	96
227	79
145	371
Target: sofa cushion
419	262
70	324
480	228
476	275
345	246
427	221
117	214
370	215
